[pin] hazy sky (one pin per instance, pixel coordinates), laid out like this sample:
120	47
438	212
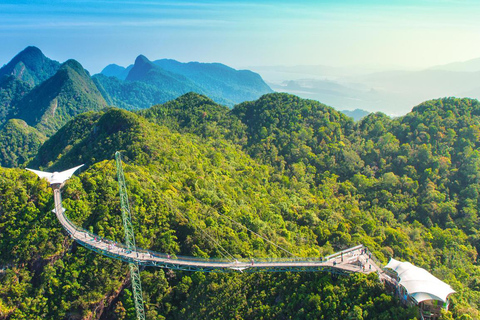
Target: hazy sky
245	33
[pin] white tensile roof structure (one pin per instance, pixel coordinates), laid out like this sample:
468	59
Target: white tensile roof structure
55	177
419	283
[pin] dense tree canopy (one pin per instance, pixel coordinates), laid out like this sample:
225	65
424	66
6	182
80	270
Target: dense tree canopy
18	143
296	171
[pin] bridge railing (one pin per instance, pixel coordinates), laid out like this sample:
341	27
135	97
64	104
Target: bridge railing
89	237
372	256
344	252
284	259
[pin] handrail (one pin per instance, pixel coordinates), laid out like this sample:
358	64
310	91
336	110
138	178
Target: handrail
117	250
340	253
95	237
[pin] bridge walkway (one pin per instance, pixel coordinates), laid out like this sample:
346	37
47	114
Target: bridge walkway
355	259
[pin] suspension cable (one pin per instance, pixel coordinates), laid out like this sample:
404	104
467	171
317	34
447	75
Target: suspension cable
241	225
196	227
204	232
258	235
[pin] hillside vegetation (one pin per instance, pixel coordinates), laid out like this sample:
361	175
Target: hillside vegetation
295	171
11	92
42	109
18	143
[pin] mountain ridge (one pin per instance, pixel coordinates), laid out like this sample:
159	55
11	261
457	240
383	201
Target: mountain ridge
31	66
114	70
146	71
58	99
220	80
223	84
472	65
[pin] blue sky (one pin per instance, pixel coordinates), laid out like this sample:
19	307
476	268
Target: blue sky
385	33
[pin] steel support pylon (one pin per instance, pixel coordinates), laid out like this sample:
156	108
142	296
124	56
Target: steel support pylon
130	239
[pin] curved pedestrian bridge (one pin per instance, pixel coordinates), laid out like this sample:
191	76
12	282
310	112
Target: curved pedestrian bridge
355	259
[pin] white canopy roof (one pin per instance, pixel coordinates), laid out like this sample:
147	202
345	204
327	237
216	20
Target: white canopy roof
56	177
419	283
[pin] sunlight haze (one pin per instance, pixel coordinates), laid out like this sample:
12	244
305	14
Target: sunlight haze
400	34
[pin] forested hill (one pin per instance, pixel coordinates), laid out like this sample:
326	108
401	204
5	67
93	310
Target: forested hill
294	170
18	142
12	91
424	166
26	70
181	185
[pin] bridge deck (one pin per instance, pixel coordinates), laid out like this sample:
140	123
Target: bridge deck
356	259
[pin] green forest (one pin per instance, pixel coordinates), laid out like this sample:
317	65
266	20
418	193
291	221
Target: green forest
296	171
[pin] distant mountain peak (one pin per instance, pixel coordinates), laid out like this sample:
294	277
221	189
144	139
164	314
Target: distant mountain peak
472	65
30	65
32	51
140	69
114	70
141	60
357	114
75	65
146	71
61	97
